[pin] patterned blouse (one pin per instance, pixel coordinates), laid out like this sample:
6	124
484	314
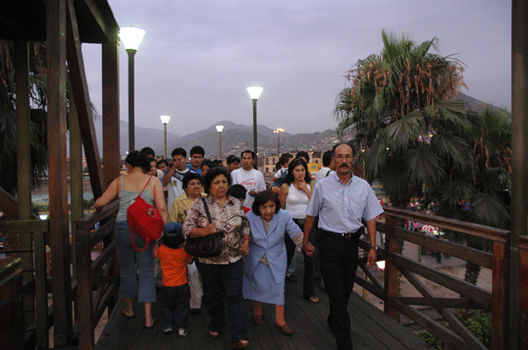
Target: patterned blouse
228	218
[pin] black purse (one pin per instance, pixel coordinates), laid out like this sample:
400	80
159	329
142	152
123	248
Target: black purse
206	246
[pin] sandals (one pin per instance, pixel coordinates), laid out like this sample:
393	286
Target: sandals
127	315
284	329
240	343
214	334
152	325
312	299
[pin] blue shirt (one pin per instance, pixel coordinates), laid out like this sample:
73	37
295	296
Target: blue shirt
342	207
197	171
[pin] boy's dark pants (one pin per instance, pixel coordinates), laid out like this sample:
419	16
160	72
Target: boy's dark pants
175	306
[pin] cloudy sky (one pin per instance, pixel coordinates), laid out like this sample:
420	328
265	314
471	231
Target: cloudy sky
198	56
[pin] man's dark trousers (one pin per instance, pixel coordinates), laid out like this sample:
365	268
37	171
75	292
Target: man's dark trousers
338	259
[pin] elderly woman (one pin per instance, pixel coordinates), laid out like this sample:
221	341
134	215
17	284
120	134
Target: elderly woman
127	188
265	266
222	274
192	185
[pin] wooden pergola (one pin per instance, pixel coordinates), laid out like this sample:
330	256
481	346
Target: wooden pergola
64	25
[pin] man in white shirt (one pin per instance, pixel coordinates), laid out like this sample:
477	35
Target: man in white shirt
249	177
328	166
174	176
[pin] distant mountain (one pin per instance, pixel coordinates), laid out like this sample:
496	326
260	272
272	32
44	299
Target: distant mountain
235	138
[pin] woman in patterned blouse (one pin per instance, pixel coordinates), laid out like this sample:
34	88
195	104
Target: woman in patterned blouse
222	274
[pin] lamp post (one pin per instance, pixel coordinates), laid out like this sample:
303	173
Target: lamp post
254	92
165	120
219	128
131	37
278	132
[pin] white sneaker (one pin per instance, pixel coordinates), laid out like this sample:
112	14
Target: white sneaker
167	330
183	332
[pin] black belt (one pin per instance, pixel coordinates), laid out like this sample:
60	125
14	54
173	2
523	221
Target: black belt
346	235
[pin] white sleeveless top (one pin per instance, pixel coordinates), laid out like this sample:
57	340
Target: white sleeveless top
296	202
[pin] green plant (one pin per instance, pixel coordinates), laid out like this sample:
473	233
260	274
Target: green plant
480	325
431	340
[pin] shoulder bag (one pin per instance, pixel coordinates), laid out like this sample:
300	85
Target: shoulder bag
205	246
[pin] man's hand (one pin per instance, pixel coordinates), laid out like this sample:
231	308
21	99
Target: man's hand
371	259
252	193
308	248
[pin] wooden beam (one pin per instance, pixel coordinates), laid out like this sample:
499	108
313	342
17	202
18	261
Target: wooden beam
110	78
58	185
82	100
8	204
499	305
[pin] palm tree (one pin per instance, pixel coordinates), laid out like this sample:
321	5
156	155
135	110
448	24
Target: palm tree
8	145
410	130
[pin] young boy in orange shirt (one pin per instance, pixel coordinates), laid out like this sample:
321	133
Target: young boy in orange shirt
174	291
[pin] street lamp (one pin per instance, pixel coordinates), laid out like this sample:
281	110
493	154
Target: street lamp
219	128
278	132
131	37
254	92
165	120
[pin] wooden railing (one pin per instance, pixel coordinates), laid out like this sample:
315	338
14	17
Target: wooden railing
471	297
38	315
97	281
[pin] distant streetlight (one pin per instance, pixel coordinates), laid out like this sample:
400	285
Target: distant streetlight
131	37
278	132
254	92
219	128
165	120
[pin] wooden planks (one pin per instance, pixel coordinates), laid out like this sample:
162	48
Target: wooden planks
371	328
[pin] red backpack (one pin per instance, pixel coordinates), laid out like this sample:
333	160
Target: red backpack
144	220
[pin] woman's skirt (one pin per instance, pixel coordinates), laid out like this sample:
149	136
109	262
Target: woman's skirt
261	286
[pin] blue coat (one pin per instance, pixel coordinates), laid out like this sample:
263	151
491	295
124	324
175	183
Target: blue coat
271	243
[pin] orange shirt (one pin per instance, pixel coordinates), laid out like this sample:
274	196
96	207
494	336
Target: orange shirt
173	265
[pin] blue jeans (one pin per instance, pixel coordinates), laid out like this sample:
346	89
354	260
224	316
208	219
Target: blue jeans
175	306
128	257
219	281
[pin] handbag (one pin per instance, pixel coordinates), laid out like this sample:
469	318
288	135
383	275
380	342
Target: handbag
206	246
144	220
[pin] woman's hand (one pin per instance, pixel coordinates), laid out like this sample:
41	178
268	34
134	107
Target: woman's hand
244	248
210	229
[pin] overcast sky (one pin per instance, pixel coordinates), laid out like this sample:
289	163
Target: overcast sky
198	56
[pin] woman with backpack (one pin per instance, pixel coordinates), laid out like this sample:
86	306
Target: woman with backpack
127	188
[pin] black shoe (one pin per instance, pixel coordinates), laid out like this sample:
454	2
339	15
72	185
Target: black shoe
291	278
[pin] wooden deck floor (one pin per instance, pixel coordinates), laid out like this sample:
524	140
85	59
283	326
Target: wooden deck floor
371	329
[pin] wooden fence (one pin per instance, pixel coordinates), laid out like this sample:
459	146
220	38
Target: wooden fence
97	279
450	328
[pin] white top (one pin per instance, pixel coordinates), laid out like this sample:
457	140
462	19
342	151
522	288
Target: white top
251	180
175	186
296	202
322	173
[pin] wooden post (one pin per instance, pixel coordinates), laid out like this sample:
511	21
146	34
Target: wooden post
524	293
391	273
519	186
12	320
24	165
58	185
498	301
84	290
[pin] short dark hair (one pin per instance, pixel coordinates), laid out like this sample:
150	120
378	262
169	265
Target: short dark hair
232	159
214	172
208	163
148	151
179	151
339	144
190	175
289	176
261	198
248	151
285	158
163	161
238	191
303	154
138	159
197	150
327	158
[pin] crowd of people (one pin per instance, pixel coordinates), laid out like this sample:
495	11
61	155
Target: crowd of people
264	227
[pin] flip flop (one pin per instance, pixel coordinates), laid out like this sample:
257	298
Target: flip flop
127	316
152	325
313	299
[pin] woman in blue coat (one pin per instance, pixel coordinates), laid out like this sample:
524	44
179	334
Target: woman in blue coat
265	266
